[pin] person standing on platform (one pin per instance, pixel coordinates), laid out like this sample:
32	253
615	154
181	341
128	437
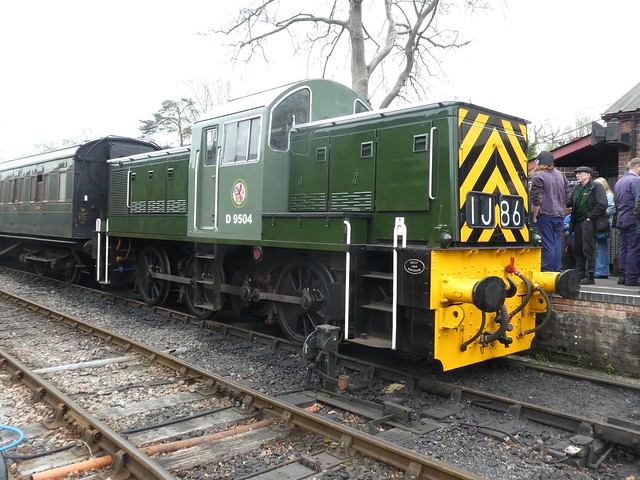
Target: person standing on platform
549	196
588	203
602	239
626	192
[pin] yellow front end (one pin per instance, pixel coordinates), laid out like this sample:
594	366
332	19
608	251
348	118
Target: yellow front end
454	276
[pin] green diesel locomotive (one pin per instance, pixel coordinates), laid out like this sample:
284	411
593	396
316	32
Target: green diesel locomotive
407	228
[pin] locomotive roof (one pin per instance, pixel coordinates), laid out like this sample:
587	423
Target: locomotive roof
401	110
67	152
261	99
154	154
242	104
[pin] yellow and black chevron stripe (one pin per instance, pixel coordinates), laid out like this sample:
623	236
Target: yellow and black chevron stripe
492	160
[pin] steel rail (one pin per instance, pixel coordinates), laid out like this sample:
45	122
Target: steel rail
552	370
621	433
350	440
111	442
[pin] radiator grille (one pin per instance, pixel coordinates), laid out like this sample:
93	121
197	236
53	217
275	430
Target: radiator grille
118	202
308	202
352	202
177	206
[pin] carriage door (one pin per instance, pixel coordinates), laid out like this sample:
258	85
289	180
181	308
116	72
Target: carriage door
206	181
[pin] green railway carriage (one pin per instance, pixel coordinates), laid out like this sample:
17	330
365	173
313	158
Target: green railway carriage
49	203
406	228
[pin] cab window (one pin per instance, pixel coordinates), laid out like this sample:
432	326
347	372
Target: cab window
241	141
360	107
292	110
211	147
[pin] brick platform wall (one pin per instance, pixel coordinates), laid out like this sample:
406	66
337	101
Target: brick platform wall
603	335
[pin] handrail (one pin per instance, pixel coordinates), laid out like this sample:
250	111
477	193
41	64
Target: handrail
195	191
400	229
347	280
431	135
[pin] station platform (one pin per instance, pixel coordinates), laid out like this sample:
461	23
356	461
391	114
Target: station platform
607	290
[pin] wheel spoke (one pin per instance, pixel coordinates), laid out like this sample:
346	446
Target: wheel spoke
304	278
153	291
190	293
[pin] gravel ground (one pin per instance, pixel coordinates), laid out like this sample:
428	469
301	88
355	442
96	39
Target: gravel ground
461	440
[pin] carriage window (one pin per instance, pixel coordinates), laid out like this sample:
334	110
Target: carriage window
211	147
14	190
52	187
293	110
25	183
34	186
62	188
40	188
241	141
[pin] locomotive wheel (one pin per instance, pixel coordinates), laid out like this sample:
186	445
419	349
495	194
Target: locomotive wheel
309	280
189	293
152	290
72	273
40	271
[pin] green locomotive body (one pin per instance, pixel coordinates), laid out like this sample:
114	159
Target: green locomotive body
148	195
407	228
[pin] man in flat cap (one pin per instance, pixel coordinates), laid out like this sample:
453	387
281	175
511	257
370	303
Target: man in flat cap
549	196
588	203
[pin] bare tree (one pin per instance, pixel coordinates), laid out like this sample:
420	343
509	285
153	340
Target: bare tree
547	136
207	94
581	127
408	40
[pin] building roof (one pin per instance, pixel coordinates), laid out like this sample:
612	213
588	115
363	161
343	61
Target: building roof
629	102
581	152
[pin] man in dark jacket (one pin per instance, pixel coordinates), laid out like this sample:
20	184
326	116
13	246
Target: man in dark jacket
549	195
588	203
626	192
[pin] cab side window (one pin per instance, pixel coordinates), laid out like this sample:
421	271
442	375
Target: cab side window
211	147
241	141
292	110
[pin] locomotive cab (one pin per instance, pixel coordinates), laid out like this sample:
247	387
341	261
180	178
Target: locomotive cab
240	156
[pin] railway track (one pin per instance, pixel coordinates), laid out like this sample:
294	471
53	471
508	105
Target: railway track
415	407
224	419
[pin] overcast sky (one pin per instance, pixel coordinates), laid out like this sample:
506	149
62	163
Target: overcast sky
86	68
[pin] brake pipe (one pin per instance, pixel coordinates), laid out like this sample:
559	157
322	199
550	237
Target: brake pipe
512	269
464	346
547	316
526	298
500	333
